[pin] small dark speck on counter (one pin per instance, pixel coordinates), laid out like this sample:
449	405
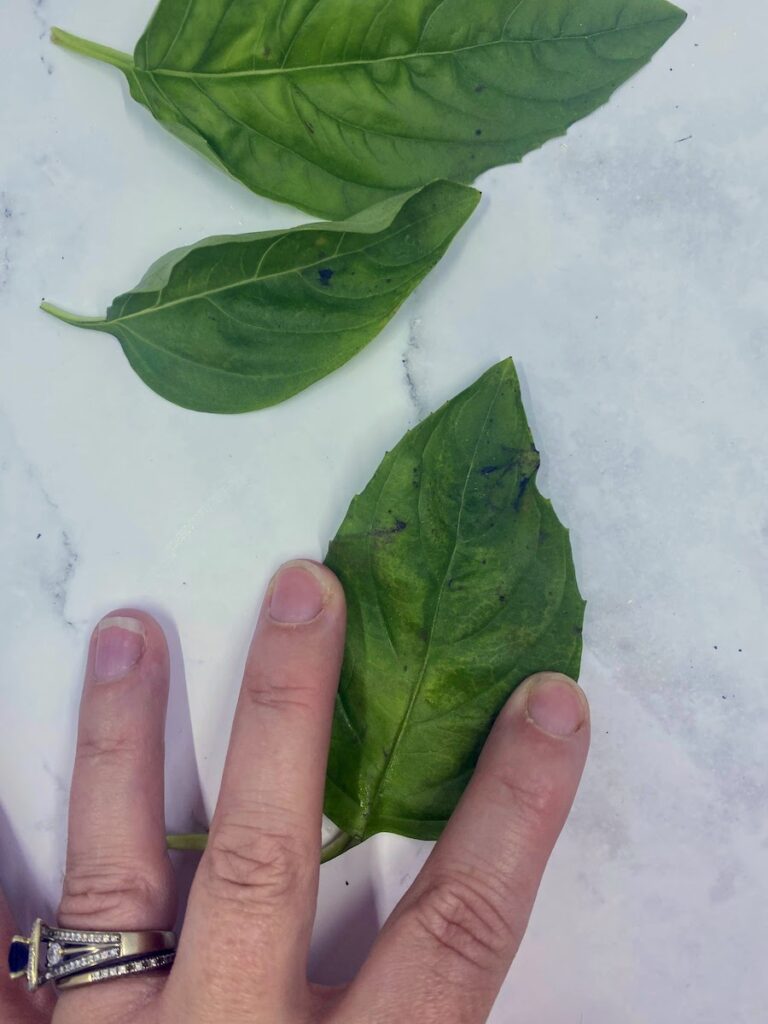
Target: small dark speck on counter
715	647
7	213
38	536
346	883
740	650
684	139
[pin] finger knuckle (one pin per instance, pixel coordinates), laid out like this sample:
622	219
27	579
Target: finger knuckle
105	746
462	924
530	798
247	865
113	892
269	692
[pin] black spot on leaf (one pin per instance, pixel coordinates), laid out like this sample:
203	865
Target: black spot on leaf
388	531
325	275
521	489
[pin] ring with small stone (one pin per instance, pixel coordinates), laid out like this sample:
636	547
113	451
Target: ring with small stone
74	957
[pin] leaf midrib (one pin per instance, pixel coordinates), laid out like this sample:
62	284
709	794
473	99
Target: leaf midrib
369	61
253	279
416	692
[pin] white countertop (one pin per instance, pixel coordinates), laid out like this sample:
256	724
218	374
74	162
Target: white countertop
624	269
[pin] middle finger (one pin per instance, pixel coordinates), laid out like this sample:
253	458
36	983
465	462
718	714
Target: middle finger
253	898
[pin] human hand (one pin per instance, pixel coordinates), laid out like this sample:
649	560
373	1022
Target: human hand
242	955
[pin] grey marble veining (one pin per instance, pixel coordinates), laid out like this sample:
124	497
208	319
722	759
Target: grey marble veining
623	268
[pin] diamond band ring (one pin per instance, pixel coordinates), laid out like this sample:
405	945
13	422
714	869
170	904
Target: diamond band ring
121	970
75	957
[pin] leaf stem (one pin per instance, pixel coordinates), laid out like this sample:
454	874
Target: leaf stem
70	318
337	846
117	58
199	840
188	841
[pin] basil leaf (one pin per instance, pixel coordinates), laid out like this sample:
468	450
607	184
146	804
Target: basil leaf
241	322
331	105
460	584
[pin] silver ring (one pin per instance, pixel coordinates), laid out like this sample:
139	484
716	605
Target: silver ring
74	957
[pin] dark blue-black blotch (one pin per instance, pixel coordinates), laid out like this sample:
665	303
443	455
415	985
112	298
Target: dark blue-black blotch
18	957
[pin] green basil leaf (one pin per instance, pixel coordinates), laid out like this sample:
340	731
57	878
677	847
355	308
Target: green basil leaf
241	322
331	105
460	583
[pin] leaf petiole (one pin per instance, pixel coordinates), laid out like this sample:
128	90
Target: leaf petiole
337	846
199	840
188	841
117	58
70	318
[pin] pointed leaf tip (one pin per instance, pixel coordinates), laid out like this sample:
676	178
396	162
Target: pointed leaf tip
333	122
241	322
460	584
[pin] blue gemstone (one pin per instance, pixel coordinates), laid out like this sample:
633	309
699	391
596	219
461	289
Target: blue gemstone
18	957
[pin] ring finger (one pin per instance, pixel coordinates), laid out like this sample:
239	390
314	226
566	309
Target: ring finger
118	875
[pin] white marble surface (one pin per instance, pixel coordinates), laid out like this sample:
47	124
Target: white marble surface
623	268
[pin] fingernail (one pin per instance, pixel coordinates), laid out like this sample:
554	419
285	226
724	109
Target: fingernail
556	705
298	593
119	647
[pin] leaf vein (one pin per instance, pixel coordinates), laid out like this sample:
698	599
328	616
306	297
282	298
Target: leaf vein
416	55
416	693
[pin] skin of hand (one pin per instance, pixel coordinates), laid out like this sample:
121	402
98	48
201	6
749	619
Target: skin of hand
445	950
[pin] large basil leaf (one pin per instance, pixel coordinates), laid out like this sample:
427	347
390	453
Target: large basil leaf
334	104
241	322
460	583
